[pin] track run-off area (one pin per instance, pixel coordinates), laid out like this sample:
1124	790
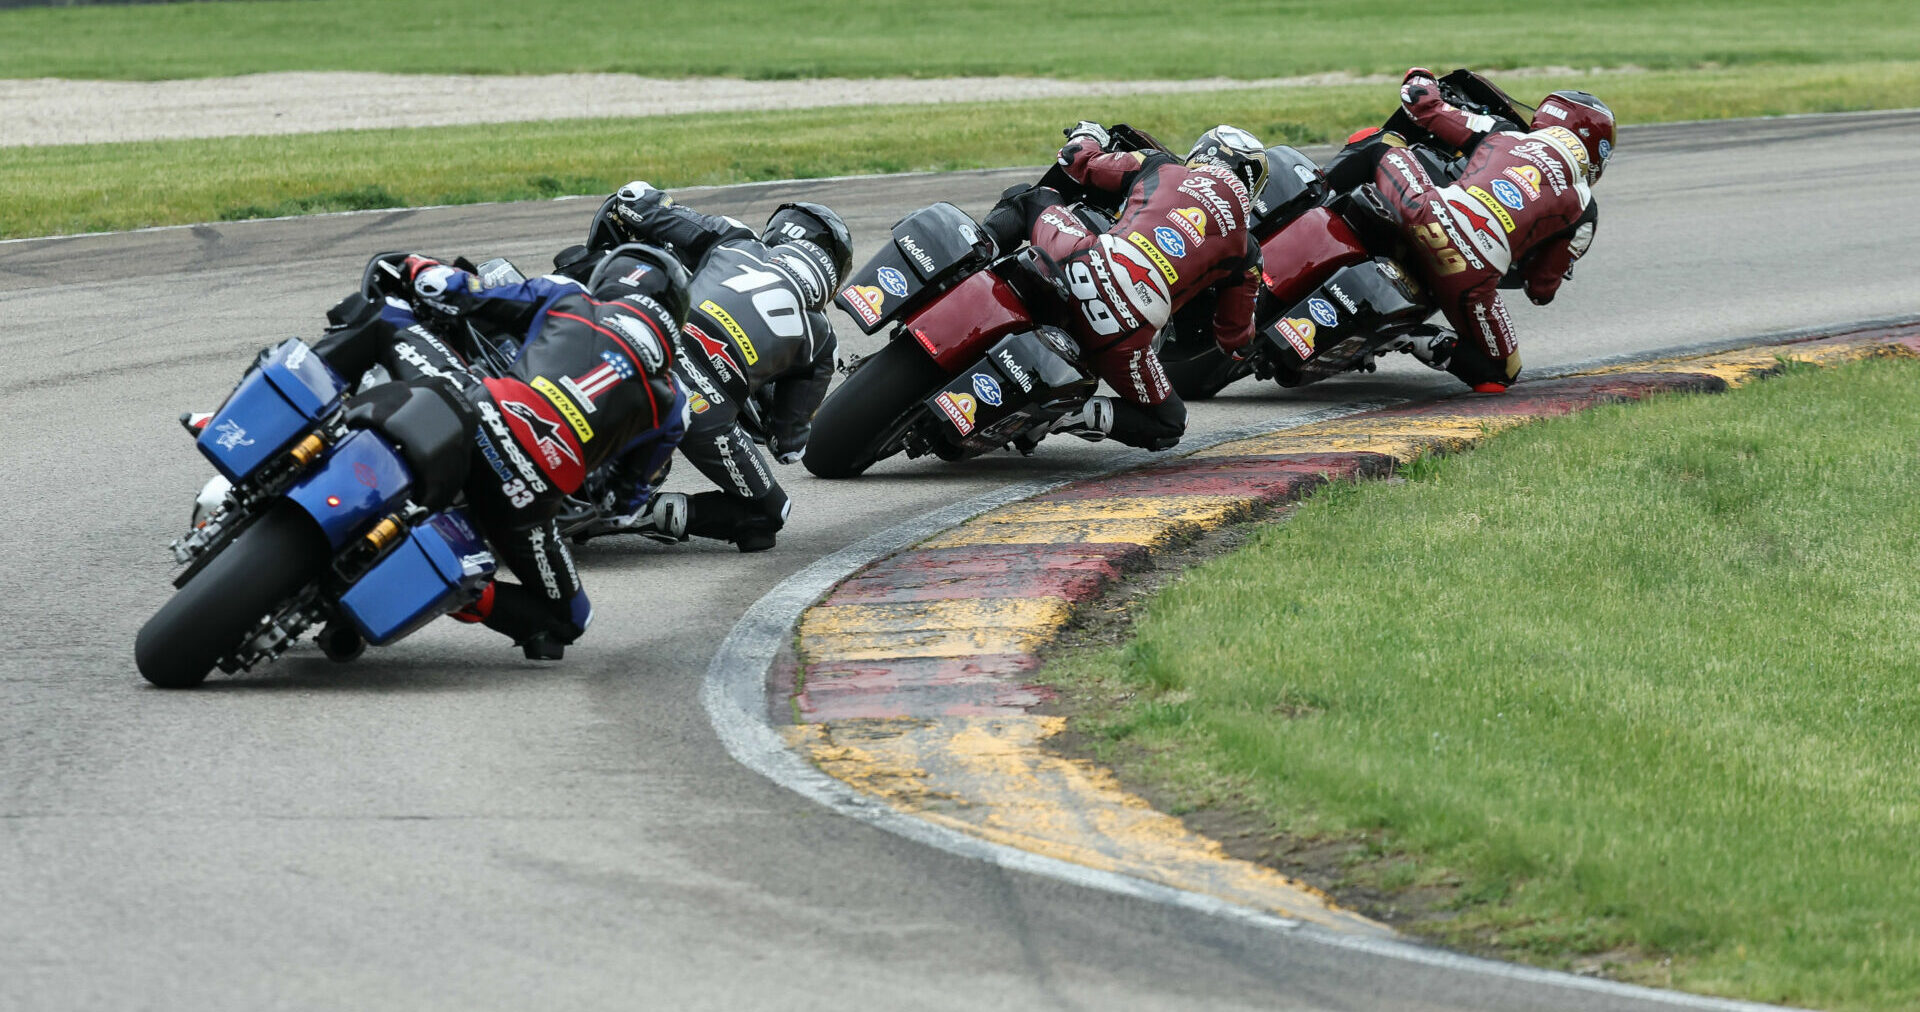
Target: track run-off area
443	825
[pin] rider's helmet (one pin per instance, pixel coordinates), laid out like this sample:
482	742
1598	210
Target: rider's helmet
818	237
1587	118
637	268
1235	150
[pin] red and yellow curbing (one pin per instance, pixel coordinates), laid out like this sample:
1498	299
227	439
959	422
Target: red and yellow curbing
913	671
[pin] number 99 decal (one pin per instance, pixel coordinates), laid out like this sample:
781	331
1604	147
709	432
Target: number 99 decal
1092	306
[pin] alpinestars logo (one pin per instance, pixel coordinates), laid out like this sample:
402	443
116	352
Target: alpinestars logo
546	433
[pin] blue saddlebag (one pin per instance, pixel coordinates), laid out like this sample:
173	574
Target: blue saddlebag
439	568
272	407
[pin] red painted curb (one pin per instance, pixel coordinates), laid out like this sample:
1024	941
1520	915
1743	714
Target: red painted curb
921	687
1075	572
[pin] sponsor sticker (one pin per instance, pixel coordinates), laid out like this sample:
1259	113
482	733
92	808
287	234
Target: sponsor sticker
1527	177
712	308
568	410
1606	149
1575	148
912	249
1509	194
1322	312
894	282
1298	333
1194	217
1014	370
1343	298
866	301
1493	206
987	388
364	475
1061	223
1169	241
231	435
1159	259
959	409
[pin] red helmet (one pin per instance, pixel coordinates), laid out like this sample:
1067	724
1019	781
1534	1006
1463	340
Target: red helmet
1587	118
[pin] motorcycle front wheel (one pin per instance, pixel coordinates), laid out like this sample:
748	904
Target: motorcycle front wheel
255	574
859	423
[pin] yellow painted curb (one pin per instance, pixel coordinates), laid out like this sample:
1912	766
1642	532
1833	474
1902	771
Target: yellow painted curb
1745	365
1402	438
1152	521
862	632
991	777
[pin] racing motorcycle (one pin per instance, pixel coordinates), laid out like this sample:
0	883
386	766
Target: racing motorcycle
968	368
587	513
1334	295
320	522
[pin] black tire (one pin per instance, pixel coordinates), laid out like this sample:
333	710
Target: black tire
270	561
854	426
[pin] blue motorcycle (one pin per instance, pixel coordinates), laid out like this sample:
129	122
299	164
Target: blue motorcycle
326	521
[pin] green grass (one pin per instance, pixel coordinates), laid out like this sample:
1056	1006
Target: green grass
810	38
83	188
1641	681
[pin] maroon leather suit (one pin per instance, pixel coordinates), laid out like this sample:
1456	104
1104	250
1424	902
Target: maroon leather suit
1181	231
1519	200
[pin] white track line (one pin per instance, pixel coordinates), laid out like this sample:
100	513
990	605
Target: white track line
734	694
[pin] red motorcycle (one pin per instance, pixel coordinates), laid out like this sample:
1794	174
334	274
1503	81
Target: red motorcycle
1334	293
970	365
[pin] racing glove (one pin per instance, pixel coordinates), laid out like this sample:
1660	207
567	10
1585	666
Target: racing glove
1416	85
442	290
1084	139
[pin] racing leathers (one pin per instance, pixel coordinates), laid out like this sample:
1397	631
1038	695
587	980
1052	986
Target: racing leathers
1519	209
591	385
756	356
1182	230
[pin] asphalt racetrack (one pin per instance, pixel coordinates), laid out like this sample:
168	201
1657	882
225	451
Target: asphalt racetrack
444	826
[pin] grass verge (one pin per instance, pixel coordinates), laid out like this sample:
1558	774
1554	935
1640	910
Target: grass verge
83	188
813	38
1632	690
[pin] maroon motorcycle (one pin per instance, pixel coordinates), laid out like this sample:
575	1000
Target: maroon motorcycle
1334	293
971	365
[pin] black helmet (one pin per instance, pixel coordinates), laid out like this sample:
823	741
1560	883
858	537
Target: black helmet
1235	150
804	221
639	269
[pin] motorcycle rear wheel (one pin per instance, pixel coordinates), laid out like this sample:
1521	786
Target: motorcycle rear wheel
852	429
266	564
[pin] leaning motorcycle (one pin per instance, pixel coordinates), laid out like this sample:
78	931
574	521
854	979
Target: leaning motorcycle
970	366
1334	293
324	522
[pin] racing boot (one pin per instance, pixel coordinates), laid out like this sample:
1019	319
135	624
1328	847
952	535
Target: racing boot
1435	351
1092	422
664	519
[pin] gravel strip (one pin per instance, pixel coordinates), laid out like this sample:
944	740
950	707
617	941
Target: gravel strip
53	111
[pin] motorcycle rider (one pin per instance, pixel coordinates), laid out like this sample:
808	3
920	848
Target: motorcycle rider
591	385
756	353
1183	229
1520	210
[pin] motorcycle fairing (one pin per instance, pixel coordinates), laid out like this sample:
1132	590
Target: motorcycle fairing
440	567
959	326
1306	252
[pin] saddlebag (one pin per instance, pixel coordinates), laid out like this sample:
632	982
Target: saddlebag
288	391
440	567
929	246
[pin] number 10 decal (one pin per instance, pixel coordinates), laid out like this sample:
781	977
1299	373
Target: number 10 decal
779	308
